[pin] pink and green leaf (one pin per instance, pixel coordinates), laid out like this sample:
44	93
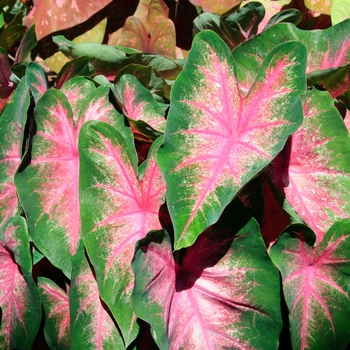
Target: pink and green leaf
48	187
76	67
335	80
150	79
119	205
14	236
12	122
326	49
217	140
76	90
19	298
26	46
315	176
234	28
139	104
92	326
315	285
226	270
57	317
36	80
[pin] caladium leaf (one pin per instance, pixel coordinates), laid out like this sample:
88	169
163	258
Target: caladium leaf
315	177
76	90
36	80
12	122
119	205
19	299
285	16
321	6
108	60
134	34
327	48
149	30
151	12
78	66
48	187
138	103
235	28
95	35
15	238
340	11
57	316
27	44
217	7
92	326
52	16
150	79
335	80
227	270
216	140
315	285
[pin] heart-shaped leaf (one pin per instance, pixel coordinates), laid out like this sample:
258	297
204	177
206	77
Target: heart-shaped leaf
48	187
316	285
119	205
216	140
226	270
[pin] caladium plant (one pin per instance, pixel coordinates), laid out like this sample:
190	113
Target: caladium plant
200	203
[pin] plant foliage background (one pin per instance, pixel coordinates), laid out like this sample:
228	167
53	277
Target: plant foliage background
174	174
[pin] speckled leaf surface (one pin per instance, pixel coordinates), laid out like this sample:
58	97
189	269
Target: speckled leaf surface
219	297
316	285
315	172
92	326
19	298
53	15
57	317
217	7
119	205
76	89
12	122
36	80
48	186
216	140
